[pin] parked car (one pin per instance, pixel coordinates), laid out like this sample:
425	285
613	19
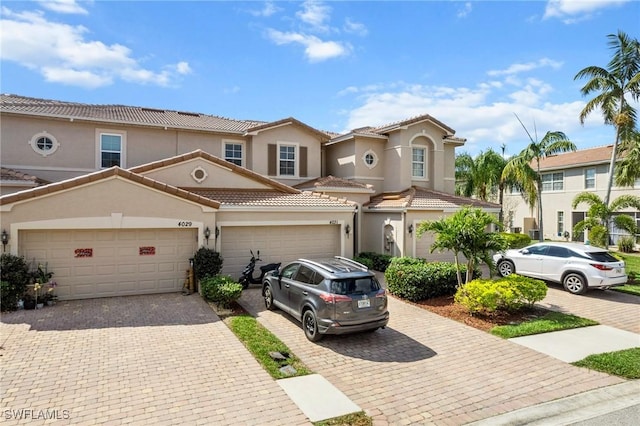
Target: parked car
329	296
578	267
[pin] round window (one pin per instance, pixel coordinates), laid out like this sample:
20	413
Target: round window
44	144
370	159
199	174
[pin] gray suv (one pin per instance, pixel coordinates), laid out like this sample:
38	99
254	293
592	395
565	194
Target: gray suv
329	296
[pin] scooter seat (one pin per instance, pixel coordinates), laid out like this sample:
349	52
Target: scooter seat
269	267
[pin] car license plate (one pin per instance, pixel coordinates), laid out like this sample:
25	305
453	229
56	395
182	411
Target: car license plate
364	303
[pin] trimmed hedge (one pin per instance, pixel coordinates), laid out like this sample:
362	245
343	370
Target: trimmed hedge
516	241
415	279
14	274
366	261
221	290
379	262
509	293
206	263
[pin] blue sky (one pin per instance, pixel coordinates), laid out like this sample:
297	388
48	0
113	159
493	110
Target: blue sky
335	65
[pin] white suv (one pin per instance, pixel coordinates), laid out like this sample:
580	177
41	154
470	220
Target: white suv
578	267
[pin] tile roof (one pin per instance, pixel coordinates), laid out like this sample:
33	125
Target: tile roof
198	153
332	182
10	175
104	174
398	124
267	198
417	198
601	154
124	114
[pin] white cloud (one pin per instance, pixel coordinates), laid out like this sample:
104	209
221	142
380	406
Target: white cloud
355	27
316	50
581	8
315	13
63	54
268	9
64	6
529	66
465	10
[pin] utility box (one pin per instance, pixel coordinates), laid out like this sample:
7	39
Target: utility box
534	234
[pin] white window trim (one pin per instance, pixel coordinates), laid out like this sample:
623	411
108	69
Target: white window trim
375	159
123	147
234	142
34	143
595	174
552	181
296	160
425	162
558	222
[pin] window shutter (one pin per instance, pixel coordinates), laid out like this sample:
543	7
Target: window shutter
272	162
303	161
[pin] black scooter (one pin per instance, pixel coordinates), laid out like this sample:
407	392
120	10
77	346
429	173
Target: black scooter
247	275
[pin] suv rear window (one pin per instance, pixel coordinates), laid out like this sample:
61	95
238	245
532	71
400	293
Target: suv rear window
355	286
602	256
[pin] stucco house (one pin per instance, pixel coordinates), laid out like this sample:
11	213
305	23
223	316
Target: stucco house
117	198
563	177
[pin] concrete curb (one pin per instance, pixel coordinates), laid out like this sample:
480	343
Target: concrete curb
572	409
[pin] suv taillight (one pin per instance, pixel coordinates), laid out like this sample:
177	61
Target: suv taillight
334	298
601	267
381	293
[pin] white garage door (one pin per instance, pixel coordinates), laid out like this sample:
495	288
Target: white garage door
102	263
276	244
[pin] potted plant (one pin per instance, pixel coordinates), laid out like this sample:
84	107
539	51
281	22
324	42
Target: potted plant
50	298
28	301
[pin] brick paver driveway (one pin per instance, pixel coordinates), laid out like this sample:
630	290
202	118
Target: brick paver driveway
158	359
426	369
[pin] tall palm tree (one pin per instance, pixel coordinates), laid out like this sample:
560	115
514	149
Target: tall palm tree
519	168
621	78
600	213
628	169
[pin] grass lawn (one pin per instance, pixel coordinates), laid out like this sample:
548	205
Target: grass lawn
625	363
553	321
355	419
632	266
260	342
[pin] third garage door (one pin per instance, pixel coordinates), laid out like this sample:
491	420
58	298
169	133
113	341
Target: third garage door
276	244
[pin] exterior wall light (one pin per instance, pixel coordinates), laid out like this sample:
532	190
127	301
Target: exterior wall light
347	229
5	239
410	229
207	234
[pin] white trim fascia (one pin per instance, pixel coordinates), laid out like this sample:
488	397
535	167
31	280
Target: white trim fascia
363	178
43	168
222	223
339	189
224	208
128	123
256	132
17	183
576	166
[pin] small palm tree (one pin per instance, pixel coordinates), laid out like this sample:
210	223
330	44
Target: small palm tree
519	168
620	78
600	214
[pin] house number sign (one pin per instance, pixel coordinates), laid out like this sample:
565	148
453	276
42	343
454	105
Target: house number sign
83	252
147	251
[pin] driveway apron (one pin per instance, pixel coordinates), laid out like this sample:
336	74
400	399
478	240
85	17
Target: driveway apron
427	369
156	359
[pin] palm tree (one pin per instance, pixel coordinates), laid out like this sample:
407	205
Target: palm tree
519	168
600	213
621	78
628	169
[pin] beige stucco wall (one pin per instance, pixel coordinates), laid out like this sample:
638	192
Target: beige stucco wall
110	203
373	228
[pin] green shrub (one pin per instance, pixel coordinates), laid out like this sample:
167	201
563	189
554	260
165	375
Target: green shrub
516	241
206	263
14	274
221	290
366	261
415	279
625	244
598	236
510	293
380	261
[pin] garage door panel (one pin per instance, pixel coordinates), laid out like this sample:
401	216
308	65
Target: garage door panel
116	266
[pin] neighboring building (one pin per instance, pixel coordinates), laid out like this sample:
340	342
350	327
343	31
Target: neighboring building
563	177
117	198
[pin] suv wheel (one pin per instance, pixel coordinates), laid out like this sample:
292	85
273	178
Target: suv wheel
310	325
268	298
575	283
506	268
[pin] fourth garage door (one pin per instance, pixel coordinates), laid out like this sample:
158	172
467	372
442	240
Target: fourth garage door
276	244
105	262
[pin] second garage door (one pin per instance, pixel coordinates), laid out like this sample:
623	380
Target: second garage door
276	244
101	263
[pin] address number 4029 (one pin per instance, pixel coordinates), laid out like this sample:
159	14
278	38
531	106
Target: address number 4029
184	223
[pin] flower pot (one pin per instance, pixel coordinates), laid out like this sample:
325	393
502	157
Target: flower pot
29	304
51	302
39	305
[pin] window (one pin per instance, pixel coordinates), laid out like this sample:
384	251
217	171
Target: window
287	160
556	251
553	182
110	150
370	159
44	144
590	178
233	153
306	275
418	163
560	223
289	270
540	249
